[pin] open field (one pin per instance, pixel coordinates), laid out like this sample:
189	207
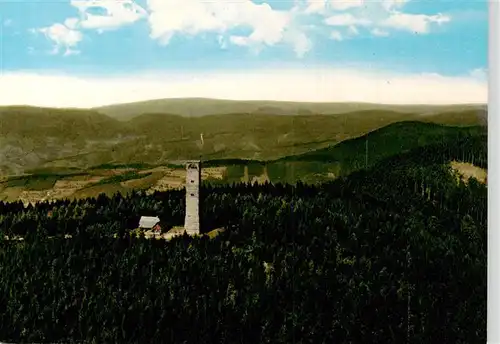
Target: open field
91	183
468	170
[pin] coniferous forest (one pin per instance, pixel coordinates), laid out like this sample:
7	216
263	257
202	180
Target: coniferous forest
392	254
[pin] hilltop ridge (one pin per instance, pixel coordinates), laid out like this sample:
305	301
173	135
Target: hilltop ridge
198	107
75	138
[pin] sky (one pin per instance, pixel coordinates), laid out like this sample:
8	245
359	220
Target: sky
85	53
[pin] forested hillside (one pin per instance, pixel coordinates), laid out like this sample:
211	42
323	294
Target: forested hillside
361	152
392	254
32	138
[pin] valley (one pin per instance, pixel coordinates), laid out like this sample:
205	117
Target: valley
53	182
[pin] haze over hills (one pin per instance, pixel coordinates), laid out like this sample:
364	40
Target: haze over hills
197	107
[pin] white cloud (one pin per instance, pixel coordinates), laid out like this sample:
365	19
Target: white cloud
418	23
7	22
378	14
222	41
384	14
68	34
353	30
321	6
479	74
239	40
341	5
63	37
192	17
71	23
70	52
301	44
316	85
267	26
336	36
379	33
346	20
117	13
315	6
393	4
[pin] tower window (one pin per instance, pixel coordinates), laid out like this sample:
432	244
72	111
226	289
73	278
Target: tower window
192	195
192	181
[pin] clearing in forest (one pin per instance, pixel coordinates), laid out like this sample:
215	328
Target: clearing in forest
467	170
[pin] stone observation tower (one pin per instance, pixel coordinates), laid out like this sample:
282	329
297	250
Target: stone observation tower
193	181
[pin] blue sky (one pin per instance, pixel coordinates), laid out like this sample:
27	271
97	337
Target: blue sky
104	39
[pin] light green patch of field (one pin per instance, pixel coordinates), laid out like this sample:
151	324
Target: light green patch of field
33	182
212	234
133	166
143	183
61	171
11	194
96	190
123	177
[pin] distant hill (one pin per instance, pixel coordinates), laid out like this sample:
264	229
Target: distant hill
197	107
32	122
68	138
